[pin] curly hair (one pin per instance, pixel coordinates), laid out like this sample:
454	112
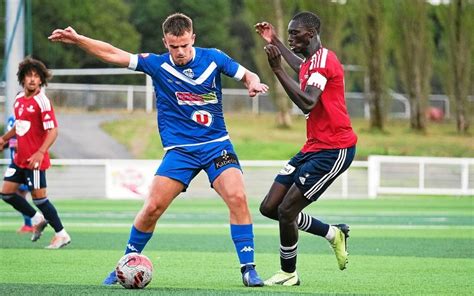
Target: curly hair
177	24
30	64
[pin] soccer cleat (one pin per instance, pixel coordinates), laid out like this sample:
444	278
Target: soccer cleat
284	279
111	279
25	229
250	276
59	241
339	244
38	229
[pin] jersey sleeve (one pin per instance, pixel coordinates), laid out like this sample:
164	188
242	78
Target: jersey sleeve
48	118
228	66
144	62
320	71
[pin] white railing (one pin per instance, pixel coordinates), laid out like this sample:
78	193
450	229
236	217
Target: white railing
420	175
130	178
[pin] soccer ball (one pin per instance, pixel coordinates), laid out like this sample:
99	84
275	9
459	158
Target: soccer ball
134	271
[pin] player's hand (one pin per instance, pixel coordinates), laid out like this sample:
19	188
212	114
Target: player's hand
67	35
35	160
257	88
3	144
273	55
266	30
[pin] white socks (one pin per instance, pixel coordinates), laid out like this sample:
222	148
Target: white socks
331	235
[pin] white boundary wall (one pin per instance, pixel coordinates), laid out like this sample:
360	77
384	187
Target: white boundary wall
130	178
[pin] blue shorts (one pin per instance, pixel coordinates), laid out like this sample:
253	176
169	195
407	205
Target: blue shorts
33	179
184	163
313	172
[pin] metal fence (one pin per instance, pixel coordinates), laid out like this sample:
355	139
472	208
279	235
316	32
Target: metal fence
129	179
92	97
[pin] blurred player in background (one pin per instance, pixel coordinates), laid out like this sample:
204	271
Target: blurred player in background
23	189
35	129
328	151
191	123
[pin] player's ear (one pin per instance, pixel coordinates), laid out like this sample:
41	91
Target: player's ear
164	42
312	32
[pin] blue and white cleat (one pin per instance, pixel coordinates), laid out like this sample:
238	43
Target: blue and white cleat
111	279
250	276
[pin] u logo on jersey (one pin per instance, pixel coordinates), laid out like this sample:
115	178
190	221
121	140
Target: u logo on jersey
202	117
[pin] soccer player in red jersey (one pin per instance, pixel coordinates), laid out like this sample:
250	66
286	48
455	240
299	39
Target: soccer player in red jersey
36	130
329	148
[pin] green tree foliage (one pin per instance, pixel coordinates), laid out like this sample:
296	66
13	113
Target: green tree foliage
414	56
278	13
457	21
104	20
212	21
371	33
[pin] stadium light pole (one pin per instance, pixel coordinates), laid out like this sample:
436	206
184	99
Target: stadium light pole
14	52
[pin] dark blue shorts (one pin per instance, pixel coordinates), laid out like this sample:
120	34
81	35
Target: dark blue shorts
34	179
184	163
313	172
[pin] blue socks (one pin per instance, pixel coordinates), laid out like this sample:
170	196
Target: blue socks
137	240
27	220
242	235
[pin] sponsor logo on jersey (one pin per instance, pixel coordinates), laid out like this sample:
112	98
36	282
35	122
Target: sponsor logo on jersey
189	72
22	127
30	109
187	98
302	180
288	169
202	117
225	159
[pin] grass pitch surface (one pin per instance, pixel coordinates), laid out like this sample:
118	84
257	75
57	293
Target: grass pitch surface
408	246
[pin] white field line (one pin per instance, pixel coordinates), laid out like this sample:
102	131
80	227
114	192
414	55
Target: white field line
261	226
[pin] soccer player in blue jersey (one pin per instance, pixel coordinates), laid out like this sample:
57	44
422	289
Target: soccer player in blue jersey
27	227
188	92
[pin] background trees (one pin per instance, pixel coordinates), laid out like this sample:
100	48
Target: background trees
396	43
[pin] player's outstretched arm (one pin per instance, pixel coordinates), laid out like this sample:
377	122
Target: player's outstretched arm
268	33
305	100
253	84
102	50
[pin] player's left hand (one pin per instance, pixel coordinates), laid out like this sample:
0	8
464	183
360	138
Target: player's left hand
273	55
35	160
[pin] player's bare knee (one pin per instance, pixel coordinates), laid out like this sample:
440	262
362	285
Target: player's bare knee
285	214
268	211
154	210
237	199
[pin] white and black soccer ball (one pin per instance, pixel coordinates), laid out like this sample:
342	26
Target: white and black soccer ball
134	271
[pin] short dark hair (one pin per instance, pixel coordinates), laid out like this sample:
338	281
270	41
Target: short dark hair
309	20
177	24
28	65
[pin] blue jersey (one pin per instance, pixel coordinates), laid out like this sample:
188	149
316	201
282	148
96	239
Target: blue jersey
12	141
189	97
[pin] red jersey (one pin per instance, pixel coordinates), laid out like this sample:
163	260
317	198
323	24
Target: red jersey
328	125
34	116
